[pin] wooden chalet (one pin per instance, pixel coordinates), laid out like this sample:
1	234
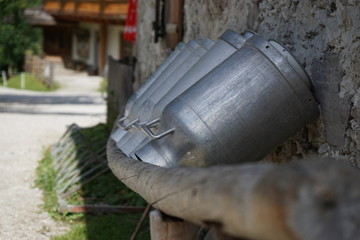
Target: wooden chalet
84	32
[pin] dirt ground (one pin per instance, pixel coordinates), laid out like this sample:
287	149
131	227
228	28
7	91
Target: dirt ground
30	122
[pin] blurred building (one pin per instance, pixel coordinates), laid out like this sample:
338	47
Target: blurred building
83	32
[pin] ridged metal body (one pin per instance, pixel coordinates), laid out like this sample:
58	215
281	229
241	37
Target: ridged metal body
150	80
226	45
170	64
142	115
238	112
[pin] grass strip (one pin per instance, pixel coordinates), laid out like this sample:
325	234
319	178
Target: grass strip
104	189
105	227
103	86
31	83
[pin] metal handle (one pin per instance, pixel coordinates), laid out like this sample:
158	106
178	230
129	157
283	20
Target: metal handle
146	129
120	123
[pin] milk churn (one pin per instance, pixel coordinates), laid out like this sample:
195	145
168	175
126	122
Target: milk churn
226	45
238	112
150	80
156	92
171	64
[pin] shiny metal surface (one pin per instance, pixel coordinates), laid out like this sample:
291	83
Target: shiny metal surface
127	143
262	100
174	60
183	56
150	80
226	45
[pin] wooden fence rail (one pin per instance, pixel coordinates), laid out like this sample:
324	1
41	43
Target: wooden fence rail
314	199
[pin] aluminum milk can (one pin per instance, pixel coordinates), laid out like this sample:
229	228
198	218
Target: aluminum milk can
133	104
226	45
133	137
150	80
238	112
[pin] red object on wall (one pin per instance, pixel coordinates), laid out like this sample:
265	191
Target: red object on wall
130	24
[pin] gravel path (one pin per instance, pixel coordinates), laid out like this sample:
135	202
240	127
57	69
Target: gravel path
30	122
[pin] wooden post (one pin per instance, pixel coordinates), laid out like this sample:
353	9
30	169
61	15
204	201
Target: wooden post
174	22
215	233
102	48
22	80
166	228
305	200
119	88
4	78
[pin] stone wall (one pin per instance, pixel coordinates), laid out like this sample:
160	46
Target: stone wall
149	55
40	68
323	34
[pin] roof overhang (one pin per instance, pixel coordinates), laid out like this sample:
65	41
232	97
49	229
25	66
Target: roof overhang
113	12
37	17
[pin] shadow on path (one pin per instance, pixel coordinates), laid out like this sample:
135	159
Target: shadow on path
38	99
22	110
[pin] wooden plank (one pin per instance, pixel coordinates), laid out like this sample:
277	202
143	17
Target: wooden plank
88	7
102	48
69	7
264	201
115	8
162	228
51	6
89	10
174	22
100	209
119	88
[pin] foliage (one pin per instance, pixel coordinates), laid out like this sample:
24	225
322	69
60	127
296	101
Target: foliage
103	85
16	36
31	83
46	181
105	189
106	227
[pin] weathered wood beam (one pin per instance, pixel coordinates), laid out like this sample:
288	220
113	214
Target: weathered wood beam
314	199
99	209
102	47
162	228
89	10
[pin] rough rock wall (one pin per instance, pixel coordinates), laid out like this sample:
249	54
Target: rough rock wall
149	54
323	34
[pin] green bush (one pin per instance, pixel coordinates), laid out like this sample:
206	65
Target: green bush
16	35
103	85
106	188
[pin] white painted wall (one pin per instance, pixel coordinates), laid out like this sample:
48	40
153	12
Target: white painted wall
91	60
113	41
